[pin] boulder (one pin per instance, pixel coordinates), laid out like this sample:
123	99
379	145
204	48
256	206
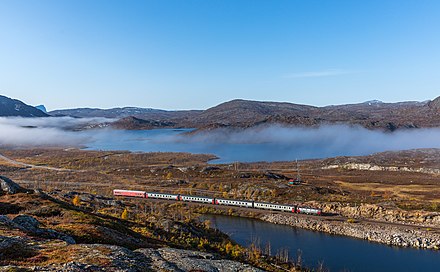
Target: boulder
27	223
6	222
13	248
31	225
208	169
271	175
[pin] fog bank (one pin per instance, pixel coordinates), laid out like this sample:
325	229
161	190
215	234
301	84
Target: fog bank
38	132
266	143
275	143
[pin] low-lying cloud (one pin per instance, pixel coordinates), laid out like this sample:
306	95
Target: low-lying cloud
36	132
288	143
266	143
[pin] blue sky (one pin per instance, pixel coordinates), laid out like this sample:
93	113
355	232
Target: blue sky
188	54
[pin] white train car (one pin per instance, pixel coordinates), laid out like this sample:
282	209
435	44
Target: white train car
274	206
199	199
162	196
234	202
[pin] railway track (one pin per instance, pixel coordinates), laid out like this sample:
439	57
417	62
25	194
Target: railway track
324	217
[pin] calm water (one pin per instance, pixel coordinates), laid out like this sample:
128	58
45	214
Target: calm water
273	144
337	253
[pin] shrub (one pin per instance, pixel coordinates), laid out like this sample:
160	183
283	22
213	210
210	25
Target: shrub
351	220
76	200
124	214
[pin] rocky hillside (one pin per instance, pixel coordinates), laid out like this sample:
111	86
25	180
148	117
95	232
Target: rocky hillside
70	231
13	107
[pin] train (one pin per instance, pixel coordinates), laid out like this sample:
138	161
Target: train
220	201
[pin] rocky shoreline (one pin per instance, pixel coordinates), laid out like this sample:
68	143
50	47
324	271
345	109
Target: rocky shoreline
392	235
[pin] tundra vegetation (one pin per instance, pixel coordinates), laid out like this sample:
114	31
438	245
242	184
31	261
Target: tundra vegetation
406	180
78	199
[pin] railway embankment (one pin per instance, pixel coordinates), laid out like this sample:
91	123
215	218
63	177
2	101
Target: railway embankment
390	234
385	212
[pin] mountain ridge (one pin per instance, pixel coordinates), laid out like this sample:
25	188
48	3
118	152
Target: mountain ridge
14	107
240	113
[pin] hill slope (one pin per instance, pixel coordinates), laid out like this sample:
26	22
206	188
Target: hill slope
13	107
371	114
45	232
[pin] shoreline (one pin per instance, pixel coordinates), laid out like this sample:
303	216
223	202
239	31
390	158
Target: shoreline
391	235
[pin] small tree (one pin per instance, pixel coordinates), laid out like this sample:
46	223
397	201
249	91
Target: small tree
76	200
124	214
207	224
228	248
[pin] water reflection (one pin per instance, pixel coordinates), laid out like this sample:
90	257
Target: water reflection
337	253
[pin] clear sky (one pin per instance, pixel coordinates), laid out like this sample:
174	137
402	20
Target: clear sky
187	54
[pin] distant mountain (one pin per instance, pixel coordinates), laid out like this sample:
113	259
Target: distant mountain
435	104
13	107
370	114
41	108
143	113
244	113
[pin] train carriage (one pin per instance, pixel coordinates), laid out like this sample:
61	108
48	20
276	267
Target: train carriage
162	196
275	207
200	199
306	210
129	193
234	202
219	201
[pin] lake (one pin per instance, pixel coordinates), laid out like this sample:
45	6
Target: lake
264	144
337	253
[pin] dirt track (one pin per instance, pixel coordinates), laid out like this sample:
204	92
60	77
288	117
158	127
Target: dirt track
14	162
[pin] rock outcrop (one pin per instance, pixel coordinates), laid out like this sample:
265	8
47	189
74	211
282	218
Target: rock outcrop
98	257
31	226
9	187
381	213
372	167
176	260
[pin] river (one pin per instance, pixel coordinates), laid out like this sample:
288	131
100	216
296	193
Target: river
337	253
